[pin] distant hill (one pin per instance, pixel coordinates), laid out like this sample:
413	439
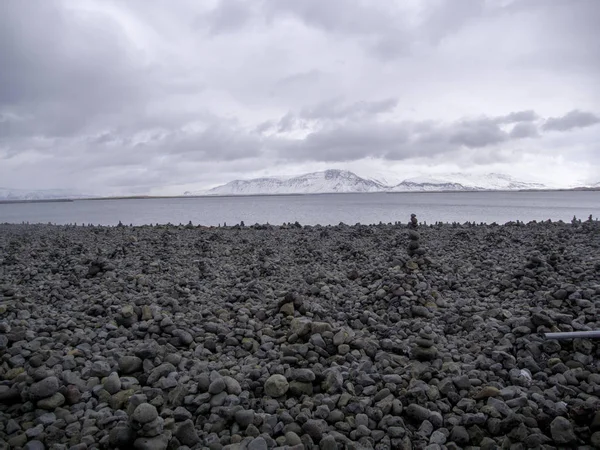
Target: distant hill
328	181
8	194
343	181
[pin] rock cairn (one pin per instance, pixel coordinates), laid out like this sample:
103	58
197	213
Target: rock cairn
424	349
414	222
414	246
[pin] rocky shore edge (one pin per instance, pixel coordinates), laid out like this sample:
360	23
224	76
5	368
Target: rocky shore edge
289	337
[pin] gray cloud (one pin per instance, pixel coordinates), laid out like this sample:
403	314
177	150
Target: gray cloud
226	16
518	116
349	141
524	130
141	94
476	134
339	110
60	74
571	120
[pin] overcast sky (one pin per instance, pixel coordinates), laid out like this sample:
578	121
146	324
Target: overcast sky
149	96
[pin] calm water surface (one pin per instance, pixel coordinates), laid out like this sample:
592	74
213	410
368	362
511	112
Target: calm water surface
324	209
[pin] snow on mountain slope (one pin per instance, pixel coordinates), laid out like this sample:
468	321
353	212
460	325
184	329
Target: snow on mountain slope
492	181
328	181
331	181
40	194
417	184
456	181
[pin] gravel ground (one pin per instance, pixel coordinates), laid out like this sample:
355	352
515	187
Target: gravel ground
295	337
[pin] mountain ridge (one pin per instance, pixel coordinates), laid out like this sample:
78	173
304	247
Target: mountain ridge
10	194
338	181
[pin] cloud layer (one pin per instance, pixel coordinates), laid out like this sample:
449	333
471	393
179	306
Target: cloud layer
140	96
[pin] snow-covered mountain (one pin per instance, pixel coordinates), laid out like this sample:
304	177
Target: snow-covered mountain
419	184
493	181
328	181
332	181
39	194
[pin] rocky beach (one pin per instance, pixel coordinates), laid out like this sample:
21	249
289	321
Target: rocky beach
390	336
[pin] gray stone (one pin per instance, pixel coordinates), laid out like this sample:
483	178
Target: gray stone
232	385
303	375
459	435
418	412
51	403
112	383
292	439
150	429
34	445
258	443
121	436
100	369
180	414
46	419
438	437
315	429
12	426
155	443
562	431
276	386
130	364
45	388
185	338
144	413
333	381
17	441
34	432
186	433
217	386
595	439
161	371
424	354
328	443
244	417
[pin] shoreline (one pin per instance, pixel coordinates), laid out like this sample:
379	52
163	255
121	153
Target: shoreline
154	197
345	336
